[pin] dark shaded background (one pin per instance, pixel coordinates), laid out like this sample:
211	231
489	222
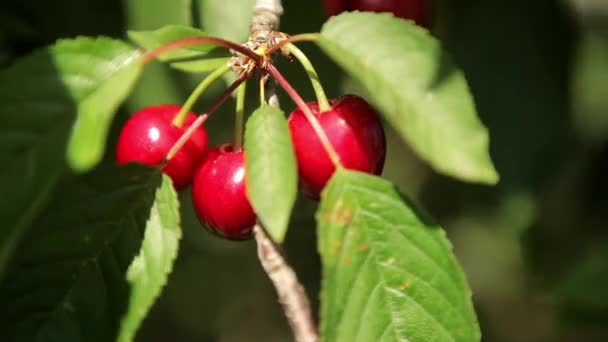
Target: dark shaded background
534	248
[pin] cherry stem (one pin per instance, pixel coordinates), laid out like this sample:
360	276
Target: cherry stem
263	80
240	112
201	119
180	117
312	75
316	126
303	37
180	43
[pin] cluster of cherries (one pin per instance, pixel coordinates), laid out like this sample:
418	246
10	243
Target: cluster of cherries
218	175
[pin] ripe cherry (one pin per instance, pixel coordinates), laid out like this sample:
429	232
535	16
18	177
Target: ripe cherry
354	130
219	194
150	133
408	9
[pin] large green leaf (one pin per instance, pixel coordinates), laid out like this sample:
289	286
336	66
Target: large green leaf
227	19
388	273
113	68
149	270
272	176
41	96
67	282
195	58
419	91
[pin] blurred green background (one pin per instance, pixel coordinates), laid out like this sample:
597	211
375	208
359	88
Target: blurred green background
534	248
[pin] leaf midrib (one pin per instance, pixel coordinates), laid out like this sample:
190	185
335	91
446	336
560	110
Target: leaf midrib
267	157
378	266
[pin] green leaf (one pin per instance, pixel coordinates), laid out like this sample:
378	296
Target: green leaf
409	77
151	14
205	65
148	272
227	19
272	177
68	279
113	67
388	273
196	58
41	95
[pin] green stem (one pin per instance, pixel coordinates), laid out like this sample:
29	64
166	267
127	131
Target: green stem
312	119
202	118
302	37
262	90
180	117
240	112
312	75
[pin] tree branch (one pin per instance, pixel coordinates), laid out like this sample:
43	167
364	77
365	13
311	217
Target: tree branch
266	15
292	295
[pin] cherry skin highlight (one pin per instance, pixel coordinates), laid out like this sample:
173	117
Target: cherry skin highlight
354	130
219	194
148	136
415	10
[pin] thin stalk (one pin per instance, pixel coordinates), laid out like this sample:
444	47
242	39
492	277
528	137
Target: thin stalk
263	80
180	117
331	152
201	119
180	43
303	37
240	113
312	75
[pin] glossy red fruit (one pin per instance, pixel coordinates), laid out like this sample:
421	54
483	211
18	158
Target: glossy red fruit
334	7
355	131
149	134
408	9
219	194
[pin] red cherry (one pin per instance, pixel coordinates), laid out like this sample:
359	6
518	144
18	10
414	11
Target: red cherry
219	194
353	128
408	9
150	133
333	7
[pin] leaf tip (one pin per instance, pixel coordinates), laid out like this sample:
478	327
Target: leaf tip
278	236
490	176
81	161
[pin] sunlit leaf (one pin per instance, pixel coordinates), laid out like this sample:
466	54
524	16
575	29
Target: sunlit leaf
149	271
389	274
272	177
417	88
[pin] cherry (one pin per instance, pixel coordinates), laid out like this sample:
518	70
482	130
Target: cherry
407	9
219	194
354	130
150	133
